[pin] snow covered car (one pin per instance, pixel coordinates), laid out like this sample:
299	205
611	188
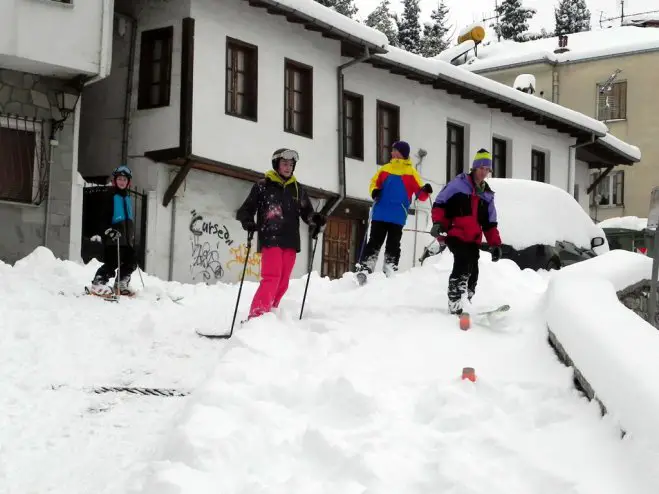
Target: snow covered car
541	226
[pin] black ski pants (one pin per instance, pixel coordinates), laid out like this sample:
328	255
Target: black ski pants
379	231
464	276
109	267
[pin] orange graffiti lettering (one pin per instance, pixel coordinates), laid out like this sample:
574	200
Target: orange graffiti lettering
239	257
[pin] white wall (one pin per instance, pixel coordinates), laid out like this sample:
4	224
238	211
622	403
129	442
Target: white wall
158	128
209	243
424	113
104	108
582	180
250	144
51	38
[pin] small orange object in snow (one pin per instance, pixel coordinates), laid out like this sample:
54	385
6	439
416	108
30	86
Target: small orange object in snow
465	322
469	373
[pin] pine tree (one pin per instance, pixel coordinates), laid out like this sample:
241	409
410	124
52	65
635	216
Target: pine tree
409	28
513	19
384	21
435	34
572	16
345	7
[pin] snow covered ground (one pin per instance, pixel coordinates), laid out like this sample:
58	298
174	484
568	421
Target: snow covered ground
363	395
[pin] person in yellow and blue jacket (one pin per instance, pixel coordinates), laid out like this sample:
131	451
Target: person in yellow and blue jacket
392	188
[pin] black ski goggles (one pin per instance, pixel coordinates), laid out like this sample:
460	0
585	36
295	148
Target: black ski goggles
287	154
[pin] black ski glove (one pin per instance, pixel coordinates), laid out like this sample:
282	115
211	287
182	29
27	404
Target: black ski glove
437	229
427	189
376	194
496	253
318	219
112	234
249	226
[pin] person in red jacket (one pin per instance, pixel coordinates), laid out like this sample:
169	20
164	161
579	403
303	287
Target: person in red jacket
464	210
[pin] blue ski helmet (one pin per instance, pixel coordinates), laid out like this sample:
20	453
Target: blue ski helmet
122	170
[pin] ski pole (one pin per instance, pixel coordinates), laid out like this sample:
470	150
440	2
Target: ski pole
116	281
139	271
313	254
364	241
250	235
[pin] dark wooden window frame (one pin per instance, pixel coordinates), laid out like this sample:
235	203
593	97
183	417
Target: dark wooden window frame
496	165
379	145
460	149
251	79
536	153
307	70
619	88
27	131
148	39
359	99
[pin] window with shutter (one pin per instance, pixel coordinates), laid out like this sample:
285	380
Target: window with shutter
612	103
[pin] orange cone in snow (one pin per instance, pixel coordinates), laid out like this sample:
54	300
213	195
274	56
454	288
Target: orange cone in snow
469	373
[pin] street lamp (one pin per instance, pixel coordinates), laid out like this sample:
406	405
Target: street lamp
66	104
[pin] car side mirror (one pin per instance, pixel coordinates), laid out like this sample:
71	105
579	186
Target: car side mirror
597	242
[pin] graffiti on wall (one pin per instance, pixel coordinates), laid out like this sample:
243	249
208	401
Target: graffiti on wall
214	255
206	239
239	258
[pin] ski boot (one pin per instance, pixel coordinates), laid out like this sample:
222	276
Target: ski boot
100	288
123	287
455	308
361	274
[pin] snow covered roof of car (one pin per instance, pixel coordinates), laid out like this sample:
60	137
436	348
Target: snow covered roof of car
587	45
530	213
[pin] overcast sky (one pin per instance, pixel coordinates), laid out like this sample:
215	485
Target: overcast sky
464	12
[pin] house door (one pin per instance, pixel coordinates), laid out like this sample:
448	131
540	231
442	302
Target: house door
337	247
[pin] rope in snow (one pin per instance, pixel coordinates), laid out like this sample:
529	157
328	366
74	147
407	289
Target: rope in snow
141	391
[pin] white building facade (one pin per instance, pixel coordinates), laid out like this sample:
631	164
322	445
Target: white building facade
49	50
215	86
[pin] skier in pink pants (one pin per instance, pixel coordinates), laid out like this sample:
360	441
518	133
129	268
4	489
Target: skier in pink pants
278	201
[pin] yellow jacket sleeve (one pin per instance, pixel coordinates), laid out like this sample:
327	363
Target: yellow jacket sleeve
417	177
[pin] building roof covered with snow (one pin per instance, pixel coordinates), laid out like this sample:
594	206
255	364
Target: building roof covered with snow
581	47
441	74
316	17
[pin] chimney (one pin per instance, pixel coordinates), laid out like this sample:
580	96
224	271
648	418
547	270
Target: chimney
562	44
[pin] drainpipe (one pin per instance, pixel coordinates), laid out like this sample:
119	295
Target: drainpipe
572	164
129	86
330	207
171	240
555	90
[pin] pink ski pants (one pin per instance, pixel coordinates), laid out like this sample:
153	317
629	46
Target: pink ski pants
276	267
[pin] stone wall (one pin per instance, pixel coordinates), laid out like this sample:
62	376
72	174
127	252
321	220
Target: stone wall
636	298
33	96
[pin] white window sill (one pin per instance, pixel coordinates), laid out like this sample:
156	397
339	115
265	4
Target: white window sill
51	2
19	204
614	120
607	206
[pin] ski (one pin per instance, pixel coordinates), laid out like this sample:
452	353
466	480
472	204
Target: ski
464	319
111	297
500	309
213	335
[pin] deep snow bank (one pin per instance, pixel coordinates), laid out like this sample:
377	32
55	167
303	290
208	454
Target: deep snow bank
614	349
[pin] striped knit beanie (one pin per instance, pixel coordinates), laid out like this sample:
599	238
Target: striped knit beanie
482	158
